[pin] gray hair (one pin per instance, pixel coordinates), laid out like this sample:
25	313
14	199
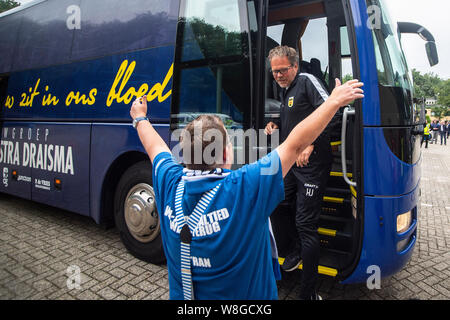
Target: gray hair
284	51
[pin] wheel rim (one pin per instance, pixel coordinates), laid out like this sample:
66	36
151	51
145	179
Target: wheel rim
141	215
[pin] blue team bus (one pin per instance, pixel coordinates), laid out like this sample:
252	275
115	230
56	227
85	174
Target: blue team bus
69	70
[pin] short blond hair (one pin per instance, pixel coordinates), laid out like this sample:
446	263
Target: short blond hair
201	132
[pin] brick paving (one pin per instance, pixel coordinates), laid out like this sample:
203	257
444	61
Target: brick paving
41	248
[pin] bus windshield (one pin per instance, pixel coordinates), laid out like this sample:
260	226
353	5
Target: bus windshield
393	76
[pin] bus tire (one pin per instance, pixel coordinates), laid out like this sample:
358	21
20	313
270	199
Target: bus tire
136	215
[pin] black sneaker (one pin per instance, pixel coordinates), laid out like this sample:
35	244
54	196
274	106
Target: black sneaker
316	296
291	262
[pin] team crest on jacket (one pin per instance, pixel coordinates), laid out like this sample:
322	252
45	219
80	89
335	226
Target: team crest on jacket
291	102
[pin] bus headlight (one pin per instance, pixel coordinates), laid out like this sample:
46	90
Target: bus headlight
404	221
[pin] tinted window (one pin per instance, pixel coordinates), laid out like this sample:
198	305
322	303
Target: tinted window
346	58
9	30
315	42
44	35
212	29
212	62
44	38
199	91
404	143
313	50
110	27
3	91
393	76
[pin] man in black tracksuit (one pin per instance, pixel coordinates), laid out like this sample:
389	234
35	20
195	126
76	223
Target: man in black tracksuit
305	183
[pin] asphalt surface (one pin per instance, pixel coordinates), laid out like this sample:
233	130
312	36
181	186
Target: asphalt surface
48	253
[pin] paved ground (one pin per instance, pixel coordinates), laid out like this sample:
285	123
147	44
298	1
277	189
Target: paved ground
45	251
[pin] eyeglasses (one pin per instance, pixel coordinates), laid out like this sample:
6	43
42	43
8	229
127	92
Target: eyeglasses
282	71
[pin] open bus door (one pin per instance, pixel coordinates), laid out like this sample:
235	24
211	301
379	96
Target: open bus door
220	67
323	34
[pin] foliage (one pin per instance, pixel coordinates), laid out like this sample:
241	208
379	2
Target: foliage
214	41
440	111
346	78
8	4
430	85
425	85
443	92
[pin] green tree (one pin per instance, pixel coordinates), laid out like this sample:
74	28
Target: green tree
8	4
346	78
444	93
426	85
439	111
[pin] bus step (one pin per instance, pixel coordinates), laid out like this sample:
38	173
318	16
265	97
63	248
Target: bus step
341	191
333	258
327	232
321	269
334	211
331	221
337	200
332	239
333	233
340	174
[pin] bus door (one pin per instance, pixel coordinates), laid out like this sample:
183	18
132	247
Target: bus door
322	33
212	66
390	128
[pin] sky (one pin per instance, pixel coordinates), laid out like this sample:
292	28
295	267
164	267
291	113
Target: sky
431	14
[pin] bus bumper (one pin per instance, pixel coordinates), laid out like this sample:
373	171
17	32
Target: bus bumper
383	248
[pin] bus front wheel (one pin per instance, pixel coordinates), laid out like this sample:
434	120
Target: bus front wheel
136	215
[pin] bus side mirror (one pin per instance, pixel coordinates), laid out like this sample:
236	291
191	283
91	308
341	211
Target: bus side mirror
430	46
432	54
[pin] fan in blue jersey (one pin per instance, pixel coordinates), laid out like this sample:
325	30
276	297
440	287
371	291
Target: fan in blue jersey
214	221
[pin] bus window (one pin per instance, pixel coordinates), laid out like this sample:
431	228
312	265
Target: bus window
212	30
396	104
315	42
211	59
94	38
275	32
346	58
3	91
9	30
44	39
393	76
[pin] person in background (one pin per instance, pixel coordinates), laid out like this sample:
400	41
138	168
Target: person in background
435	131
443	132
448	127
426	135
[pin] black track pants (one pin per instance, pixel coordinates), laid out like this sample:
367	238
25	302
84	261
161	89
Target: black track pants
304	190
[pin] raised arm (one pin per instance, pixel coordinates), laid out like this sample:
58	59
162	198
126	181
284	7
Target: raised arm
309	129
150	139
